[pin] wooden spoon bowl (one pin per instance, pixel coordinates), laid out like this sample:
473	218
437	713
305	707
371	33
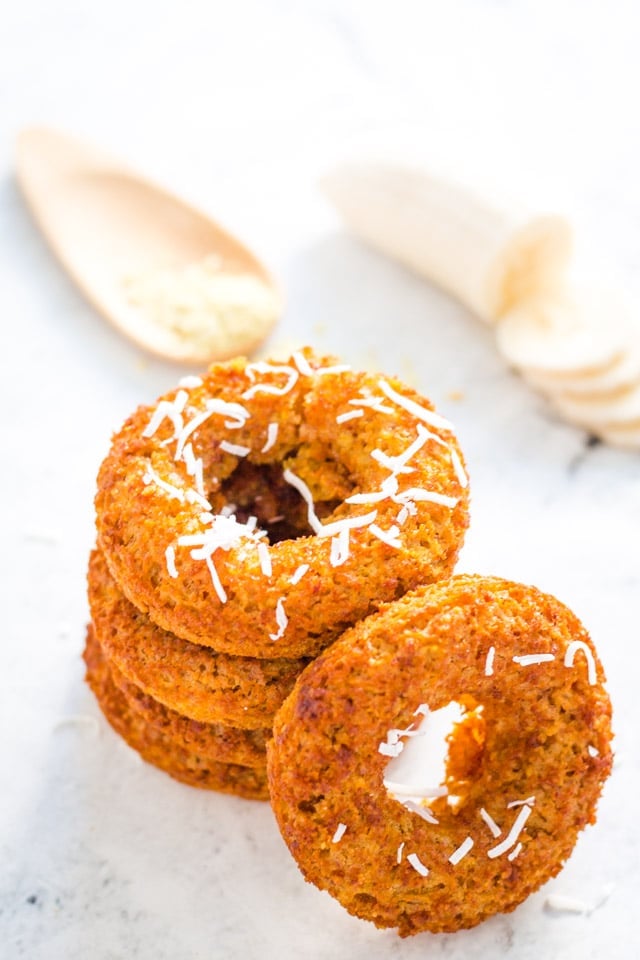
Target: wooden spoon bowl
166	275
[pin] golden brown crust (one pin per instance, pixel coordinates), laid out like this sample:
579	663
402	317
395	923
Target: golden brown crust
545	733
139	518
160	750
211	741
192	680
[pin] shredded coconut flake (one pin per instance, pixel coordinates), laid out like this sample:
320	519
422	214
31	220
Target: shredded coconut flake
235	448
272	436
418	865
399	853
190	381
224	533
152	477
427	416
422	791
520	803
347	523
396	463
262	367
166	410
423	812
170	559
339	548
513	834
264	557
560	903
281	619
403	515
389	463
418	494
458	469
349	415
593	751
390	536
375	403
570	654
302	363
488	665
215	579
336	368
299	573
195	468
236	412
530	659
299	484
490	822
327	529
339	834
194	497
387	489
514	853
461	851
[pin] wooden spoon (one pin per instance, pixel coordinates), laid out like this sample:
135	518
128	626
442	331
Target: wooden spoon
162	272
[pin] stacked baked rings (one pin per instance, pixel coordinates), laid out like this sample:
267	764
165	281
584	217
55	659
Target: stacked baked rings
244	522
526	760
196	766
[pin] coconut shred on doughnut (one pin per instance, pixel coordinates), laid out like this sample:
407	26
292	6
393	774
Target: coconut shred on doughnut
251	511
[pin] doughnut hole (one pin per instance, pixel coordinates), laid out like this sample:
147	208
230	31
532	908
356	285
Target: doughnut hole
260	490
441	757
465	756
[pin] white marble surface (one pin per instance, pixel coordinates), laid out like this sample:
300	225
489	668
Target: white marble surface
238	106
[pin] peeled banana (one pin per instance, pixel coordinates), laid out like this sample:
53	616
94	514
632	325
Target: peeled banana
575	345
487	256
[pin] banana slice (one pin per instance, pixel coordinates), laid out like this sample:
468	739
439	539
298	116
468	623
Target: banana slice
621	373
627	437
487	256
565	336
603	413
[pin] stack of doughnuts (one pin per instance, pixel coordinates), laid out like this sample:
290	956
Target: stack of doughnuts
273	615
244	522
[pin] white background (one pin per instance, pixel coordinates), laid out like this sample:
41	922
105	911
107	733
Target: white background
239	106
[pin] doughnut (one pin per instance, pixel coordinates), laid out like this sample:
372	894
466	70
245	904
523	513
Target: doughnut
157	748
193	681
527	756
263	508
214	741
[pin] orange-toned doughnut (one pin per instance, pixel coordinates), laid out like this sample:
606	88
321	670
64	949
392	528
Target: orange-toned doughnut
526	763
210	741
370	493
191	680
154	746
